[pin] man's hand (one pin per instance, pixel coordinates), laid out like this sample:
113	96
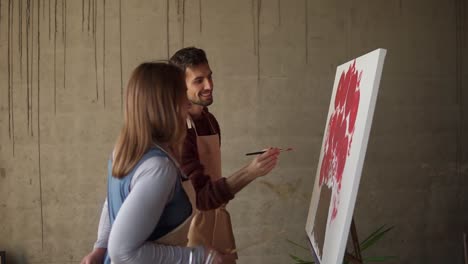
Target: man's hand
263	164
95	257
259	166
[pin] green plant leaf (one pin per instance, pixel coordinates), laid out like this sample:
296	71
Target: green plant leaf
300	261
374	239
297	245
372	234
368	242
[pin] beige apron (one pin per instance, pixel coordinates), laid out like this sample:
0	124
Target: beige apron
210	228
178	236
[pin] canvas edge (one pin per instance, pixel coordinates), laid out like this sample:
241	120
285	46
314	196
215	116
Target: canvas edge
378	75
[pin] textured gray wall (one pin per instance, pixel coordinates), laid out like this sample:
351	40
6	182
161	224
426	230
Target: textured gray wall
64	64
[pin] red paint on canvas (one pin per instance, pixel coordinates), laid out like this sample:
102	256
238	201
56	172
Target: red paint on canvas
340	133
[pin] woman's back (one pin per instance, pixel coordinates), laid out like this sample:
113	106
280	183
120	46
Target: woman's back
146	205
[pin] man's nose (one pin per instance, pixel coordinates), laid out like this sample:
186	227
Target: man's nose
208	85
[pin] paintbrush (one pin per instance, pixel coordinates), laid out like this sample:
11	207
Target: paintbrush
263	151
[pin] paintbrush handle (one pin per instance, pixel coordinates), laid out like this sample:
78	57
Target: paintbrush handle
263	151
255	153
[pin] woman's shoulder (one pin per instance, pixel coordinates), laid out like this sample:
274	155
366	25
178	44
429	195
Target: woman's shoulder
155	158
156	168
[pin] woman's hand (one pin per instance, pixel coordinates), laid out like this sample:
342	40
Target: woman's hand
95	257
214	257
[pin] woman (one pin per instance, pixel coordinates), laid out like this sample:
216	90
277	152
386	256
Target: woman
148	210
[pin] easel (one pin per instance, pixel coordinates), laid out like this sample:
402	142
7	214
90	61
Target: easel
465	247
2	257
357	257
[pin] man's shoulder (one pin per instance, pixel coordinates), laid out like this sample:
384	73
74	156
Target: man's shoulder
209	114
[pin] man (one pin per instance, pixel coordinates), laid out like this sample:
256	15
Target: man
201	159
201	162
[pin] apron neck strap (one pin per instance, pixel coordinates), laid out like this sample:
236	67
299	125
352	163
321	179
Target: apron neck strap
191	124
211	125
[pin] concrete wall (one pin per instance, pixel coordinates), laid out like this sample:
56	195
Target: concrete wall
64	65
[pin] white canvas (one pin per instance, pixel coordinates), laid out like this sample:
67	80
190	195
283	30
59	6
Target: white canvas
342	156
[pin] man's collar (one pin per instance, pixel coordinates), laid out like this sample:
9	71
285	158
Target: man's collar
196	111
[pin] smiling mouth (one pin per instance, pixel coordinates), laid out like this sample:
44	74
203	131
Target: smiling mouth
206	94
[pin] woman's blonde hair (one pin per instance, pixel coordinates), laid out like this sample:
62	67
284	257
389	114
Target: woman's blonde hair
156	94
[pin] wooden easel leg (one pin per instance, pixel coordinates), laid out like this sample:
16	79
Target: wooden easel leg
465	247
349	257
357	248
356	258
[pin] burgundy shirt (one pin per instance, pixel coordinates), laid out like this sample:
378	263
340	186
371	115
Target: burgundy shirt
209	194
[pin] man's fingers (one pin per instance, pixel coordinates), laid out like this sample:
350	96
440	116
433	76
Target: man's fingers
268	153
268	163
270	167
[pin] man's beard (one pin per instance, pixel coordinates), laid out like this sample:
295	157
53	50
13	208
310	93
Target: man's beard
202	102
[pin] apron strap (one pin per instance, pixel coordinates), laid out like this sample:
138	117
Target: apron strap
211	124
191	124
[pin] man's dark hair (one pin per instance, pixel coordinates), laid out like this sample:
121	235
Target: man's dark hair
188	57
